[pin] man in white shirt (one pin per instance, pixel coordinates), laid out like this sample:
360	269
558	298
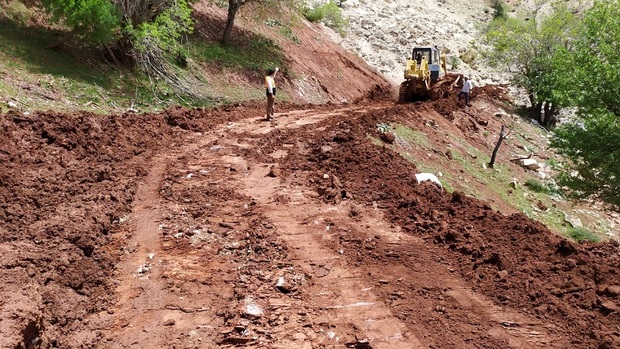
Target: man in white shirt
270	90
467	86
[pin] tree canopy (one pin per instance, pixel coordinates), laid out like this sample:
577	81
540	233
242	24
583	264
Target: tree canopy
564	58
96	20
534	47
592	141
124	25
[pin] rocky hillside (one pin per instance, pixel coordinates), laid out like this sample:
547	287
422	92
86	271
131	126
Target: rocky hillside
383	32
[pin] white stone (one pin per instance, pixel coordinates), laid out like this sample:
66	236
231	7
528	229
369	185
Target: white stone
421	177
532	164
252	308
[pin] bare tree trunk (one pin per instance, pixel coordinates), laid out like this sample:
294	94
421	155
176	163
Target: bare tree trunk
538	113
233	7
550	110
112	55
532	99
502	136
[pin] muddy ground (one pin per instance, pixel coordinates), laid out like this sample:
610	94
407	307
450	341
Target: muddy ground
209	229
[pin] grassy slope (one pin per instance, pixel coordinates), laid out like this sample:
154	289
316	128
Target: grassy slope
523	191
35	77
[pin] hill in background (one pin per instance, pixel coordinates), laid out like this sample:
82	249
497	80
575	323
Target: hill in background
314	68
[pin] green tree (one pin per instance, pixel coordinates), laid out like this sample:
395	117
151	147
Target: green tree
97	21
123	24
145	31
163	32
592	141
535	51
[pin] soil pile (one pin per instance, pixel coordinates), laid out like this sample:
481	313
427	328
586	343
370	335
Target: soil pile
512	259
67	182
196	228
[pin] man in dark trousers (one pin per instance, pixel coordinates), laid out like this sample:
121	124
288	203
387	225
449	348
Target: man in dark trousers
465	90
270	90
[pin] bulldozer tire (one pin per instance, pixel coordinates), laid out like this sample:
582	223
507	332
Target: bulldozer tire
403	92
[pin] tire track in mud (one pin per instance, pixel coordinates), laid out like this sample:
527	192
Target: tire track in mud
146	310
343	296
140	302
346	296
360	276
144	304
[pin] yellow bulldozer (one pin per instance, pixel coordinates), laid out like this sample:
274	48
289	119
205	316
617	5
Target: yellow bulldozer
426	76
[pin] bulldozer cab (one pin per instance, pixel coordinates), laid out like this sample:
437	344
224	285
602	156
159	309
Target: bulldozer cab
432	56
420	53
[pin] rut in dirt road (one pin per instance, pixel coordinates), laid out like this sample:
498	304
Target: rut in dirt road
326	240
263	246
143	303
305	232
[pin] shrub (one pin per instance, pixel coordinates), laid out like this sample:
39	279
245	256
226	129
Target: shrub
500	9
18	12
537	186
469	56
454	62
582	234
314	14
329	14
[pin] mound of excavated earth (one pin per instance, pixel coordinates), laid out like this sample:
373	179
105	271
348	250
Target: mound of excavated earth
208	229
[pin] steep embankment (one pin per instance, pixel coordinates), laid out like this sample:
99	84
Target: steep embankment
314	68
318	70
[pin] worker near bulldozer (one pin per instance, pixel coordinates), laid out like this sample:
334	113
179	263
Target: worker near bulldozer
418	58
467	86
270	90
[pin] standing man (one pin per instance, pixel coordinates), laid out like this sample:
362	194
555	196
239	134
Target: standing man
467	86
418	58
270	86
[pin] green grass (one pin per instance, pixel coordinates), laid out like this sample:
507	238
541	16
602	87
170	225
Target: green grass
583	235
25	48
411	136
288	33
554	164
254	54
471	161
84	81
537	186
284	30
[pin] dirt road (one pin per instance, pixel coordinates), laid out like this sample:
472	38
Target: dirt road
207	229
